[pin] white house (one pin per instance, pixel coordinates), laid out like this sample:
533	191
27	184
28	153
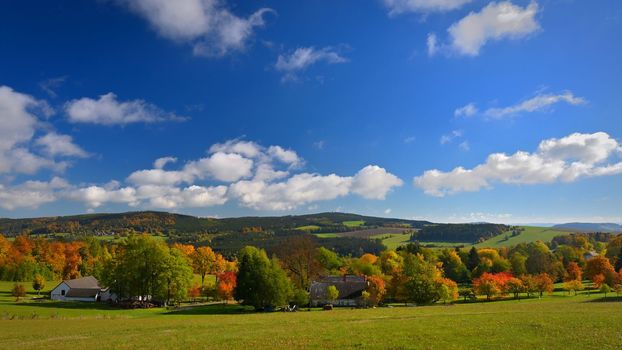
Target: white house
81	289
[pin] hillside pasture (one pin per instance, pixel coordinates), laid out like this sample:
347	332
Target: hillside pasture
530	234
353	223
370	233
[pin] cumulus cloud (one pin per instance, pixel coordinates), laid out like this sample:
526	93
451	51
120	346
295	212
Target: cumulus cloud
565	159
536	103
21	122
208	25
496	21
107	110
397	7
30	194
257	177
54	144
303	57
374	182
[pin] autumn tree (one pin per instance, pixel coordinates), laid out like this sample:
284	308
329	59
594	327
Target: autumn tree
598	280
18	291
600	265
375	289
572	286
299	257
38	283
453	267
573	272
226	285
490	284
448	290
203	259
514	286
543	283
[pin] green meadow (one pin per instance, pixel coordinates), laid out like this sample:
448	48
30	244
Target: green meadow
553	322
354	223
530	234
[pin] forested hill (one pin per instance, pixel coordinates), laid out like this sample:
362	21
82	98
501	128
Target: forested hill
170	224
589	227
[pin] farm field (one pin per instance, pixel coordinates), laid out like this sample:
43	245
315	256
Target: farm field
579	322
530	234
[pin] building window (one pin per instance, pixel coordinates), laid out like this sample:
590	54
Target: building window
62	292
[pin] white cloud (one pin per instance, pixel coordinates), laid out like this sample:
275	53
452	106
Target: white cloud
49	86
221	166
371	182
397	7
304	57
298	190
95	196
448	138
565	159
107	110
160	163
536	103
496	21
468	110
207	24
54	144
409	139
30	194
432	43
286	156
248	149
387	211
374	182
21	120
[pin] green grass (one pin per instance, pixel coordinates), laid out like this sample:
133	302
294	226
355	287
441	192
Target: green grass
326	235
530	234
393	240
355	223
553	322
308	228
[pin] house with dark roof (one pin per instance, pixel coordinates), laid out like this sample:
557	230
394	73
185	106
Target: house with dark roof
350	289
81	289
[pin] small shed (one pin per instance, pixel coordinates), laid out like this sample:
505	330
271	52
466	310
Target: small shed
350	289
80	289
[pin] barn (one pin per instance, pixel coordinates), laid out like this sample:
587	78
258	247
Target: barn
350	289
80	289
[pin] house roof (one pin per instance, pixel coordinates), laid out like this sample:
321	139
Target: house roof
349	287
88	282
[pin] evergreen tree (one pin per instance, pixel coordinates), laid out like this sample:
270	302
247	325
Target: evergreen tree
473	260
618	264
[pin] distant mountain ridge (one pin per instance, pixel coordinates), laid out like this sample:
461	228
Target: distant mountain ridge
177	224
589	227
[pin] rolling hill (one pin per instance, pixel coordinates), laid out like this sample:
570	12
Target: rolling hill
589	227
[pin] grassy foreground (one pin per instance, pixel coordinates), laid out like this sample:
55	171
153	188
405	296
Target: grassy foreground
554	322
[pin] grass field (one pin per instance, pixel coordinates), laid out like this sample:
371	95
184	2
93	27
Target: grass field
308	228
530	234
553	322
356	223
393	240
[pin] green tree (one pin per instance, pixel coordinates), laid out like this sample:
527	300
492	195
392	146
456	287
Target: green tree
518	260
261	282
618	264
473	259
332	293
605	289
422	280
38	283
453	267
145	267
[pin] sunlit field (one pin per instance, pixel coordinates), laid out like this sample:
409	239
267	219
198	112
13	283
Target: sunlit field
553	322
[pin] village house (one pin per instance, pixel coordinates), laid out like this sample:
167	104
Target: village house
81	289
350	289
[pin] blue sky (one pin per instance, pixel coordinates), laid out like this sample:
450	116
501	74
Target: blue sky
446	110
